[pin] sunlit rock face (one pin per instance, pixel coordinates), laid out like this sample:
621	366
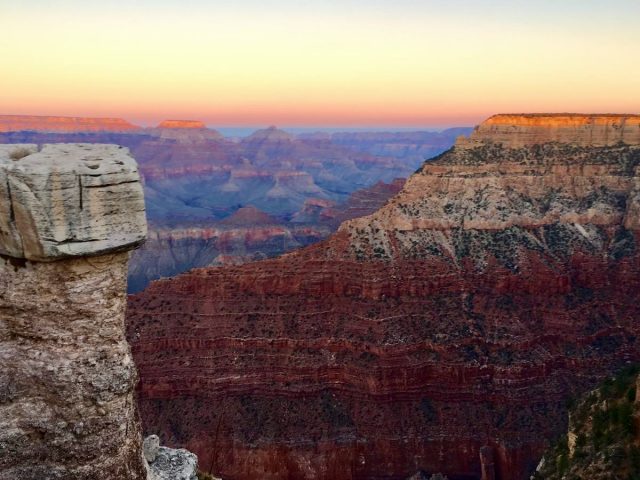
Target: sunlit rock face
581	130
181	124
16	123
443	333
68	215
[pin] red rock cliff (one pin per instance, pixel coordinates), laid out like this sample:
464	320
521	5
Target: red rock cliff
443	333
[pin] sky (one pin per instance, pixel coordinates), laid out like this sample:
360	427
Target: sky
318	63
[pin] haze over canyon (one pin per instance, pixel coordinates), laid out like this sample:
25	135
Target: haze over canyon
211	199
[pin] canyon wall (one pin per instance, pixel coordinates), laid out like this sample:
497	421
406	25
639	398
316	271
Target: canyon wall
443	333
585	130
68	216
246	235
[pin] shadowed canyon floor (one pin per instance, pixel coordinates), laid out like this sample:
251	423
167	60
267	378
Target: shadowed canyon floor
443	333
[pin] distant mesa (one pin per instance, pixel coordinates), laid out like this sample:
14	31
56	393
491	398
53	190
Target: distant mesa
520	130
18	123
182	124
186	131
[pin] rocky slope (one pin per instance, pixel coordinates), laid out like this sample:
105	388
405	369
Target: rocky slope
247	235
443	333
361	203
603	438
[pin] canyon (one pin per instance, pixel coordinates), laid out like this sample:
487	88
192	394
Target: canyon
195	178
247	235
443	333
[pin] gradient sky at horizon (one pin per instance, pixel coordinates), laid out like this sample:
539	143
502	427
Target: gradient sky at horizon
320	63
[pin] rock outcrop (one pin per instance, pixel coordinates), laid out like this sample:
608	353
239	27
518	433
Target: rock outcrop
443	333
519	130
69	201
68	215
168	463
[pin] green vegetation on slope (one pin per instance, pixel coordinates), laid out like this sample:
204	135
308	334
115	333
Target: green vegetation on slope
603	441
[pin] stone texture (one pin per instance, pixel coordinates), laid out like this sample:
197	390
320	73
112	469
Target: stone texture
66	387
69	200
67	410
461	315
173	464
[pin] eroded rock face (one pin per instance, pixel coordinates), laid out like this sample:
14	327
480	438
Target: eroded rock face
67	410
69	200
247	235
443	333
67	380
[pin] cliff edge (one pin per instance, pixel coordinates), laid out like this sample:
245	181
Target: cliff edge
443	333
69	214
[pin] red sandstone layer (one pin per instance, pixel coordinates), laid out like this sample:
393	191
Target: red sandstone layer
443	333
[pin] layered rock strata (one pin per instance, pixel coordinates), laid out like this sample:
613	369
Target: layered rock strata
15	123
182	124
68	215
584	130
443	333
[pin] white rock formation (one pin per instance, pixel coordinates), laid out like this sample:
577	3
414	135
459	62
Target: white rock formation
69	200
67	216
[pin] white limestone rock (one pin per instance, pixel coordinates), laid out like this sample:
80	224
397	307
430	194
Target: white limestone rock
69	200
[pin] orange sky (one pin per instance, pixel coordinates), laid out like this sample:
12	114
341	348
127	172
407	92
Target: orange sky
404	63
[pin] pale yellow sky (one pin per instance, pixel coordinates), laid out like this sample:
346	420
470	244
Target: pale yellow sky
315	66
